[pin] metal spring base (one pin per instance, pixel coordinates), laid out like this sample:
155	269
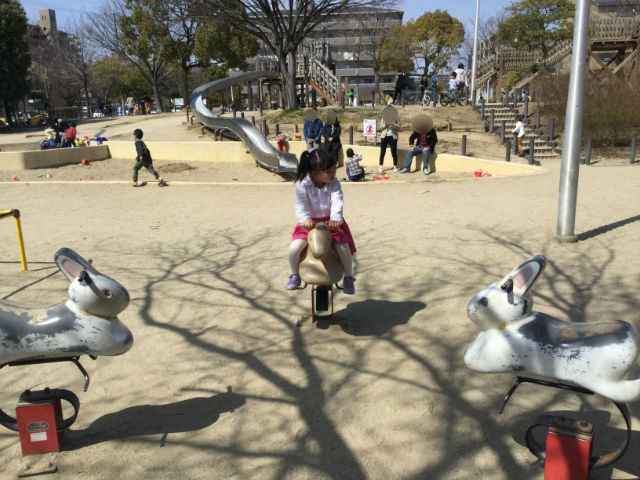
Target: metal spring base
546	420
48	394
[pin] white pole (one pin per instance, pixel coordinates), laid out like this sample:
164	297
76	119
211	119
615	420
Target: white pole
573	128
475	58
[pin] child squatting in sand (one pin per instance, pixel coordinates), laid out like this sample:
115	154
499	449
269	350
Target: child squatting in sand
319	199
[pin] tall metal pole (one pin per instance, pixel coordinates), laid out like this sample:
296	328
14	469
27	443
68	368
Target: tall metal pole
475	58
573	128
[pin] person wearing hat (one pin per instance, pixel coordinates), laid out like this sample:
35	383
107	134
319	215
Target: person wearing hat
421	142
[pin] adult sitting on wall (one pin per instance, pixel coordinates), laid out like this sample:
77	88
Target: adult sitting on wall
425	138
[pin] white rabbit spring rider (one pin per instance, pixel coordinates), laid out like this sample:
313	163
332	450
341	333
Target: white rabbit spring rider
584	357
84	324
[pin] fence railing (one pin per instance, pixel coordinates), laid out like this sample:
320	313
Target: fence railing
492	56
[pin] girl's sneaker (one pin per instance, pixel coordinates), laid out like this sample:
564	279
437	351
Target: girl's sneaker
294	282
347	285
395	169
380	169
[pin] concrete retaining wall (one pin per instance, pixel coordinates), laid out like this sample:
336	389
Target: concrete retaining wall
25	160
230	152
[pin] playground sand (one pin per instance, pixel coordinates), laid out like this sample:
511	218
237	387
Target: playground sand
221	383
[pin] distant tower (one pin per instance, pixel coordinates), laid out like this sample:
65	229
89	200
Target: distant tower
47	23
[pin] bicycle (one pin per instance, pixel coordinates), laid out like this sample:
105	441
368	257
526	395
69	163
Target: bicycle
453	98
426	98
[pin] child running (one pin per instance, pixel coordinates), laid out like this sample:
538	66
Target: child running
143	159
319	199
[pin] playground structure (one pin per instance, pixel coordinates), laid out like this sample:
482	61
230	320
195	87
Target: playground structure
613	47
16	214
266	155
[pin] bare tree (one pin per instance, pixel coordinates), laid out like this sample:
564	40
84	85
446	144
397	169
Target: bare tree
487	28
61	64
105	30
282	25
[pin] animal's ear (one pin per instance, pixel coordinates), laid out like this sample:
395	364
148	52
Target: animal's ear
72	264
526	274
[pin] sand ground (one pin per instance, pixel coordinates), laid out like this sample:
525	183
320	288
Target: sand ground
221	383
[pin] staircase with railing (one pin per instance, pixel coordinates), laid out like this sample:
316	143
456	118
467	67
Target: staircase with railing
311	63
496	58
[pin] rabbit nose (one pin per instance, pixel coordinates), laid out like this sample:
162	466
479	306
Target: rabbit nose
484	301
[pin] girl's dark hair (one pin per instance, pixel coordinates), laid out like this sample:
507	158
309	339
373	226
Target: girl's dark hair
460	65
137	133
350	152
73	124
316	160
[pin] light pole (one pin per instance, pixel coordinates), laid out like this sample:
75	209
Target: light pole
573	128
475	58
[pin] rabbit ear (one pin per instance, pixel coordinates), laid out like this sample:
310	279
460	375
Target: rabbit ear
72	264
525	275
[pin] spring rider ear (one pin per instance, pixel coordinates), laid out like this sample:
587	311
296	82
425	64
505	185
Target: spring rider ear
321	268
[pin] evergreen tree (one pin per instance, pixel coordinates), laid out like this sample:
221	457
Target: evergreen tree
14	53
537	24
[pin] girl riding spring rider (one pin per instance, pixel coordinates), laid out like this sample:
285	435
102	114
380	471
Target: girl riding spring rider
319	199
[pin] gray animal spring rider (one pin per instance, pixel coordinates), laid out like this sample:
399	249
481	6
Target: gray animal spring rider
589	358
85	323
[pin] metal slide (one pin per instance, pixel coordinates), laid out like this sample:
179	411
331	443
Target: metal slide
265	154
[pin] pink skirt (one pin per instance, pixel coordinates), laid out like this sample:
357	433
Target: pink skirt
339	235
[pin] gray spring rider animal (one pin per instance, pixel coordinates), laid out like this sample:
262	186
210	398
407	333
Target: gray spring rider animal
585	357
85	323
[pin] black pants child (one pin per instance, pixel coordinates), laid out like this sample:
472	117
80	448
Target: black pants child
148	165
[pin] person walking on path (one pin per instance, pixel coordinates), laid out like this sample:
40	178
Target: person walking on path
355	172
143	159
389	138
399	87
425	145
433	84
319	199
519	129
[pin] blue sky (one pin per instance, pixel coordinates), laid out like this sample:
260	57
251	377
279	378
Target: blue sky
463	10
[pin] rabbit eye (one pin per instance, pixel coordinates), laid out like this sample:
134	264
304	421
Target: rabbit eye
107	293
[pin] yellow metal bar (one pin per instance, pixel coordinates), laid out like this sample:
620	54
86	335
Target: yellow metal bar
23	258
16	214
